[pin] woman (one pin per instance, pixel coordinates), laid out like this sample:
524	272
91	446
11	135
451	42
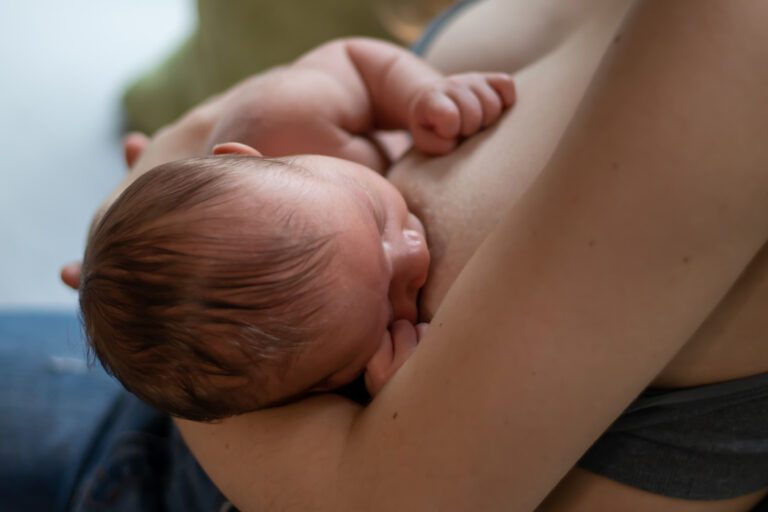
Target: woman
617	268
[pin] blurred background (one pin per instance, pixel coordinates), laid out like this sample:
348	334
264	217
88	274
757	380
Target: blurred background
76	74
63	67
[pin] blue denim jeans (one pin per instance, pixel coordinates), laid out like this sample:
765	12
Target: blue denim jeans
72	440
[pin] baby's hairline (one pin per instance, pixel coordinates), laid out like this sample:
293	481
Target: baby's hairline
282	352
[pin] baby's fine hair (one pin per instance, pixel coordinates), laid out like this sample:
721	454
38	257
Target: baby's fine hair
196	292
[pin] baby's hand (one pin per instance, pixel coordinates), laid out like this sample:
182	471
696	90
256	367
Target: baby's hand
396	346
458	106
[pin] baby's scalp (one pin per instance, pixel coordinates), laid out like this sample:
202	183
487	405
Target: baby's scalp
198	287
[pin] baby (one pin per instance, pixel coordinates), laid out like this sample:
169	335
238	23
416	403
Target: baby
219	285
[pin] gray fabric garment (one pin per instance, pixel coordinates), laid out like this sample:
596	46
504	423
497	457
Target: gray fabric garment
702	443
438	24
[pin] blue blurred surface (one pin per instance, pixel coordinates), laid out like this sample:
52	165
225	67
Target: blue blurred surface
69	434
51	407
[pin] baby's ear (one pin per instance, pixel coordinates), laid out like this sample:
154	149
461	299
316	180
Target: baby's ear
234	148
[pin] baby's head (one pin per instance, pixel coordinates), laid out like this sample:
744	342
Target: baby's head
220	285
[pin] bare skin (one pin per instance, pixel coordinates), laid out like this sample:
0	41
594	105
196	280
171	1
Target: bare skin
596	274
550	284
729	344
331	101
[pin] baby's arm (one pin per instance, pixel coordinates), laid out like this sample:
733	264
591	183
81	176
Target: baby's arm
401	91
397	345
331	100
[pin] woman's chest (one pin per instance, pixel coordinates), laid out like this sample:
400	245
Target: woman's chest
460	197
733	341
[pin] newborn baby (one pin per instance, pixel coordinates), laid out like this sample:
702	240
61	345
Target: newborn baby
219	285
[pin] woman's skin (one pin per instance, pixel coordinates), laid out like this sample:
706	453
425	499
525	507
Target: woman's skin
729	344
624	249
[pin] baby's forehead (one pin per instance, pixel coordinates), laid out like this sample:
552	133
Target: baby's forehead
264	178
251	166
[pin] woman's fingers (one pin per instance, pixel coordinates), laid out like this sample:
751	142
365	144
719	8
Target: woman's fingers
70	274
133	146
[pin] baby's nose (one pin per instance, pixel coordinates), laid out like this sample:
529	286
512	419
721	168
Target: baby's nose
409	273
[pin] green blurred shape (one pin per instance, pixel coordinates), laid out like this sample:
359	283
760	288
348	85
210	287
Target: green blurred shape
233	39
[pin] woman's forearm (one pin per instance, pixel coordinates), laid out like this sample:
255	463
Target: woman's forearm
650	209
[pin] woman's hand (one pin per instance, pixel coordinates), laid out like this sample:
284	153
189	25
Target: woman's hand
134	144
397	345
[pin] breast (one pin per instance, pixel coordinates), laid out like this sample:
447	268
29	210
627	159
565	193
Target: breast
461	196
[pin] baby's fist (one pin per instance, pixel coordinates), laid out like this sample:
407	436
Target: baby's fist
458	106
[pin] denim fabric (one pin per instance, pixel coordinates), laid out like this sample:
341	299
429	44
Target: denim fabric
142	464
72	439
51	407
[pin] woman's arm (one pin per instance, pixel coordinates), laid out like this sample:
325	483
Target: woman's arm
654	203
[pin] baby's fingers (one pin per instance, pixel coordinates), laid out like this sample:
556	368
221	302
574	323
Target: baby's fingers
404	341
436	123
395	348
457	107
504	86
490	101
494	91
435	111
421	330
380	368
430	143
470	107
